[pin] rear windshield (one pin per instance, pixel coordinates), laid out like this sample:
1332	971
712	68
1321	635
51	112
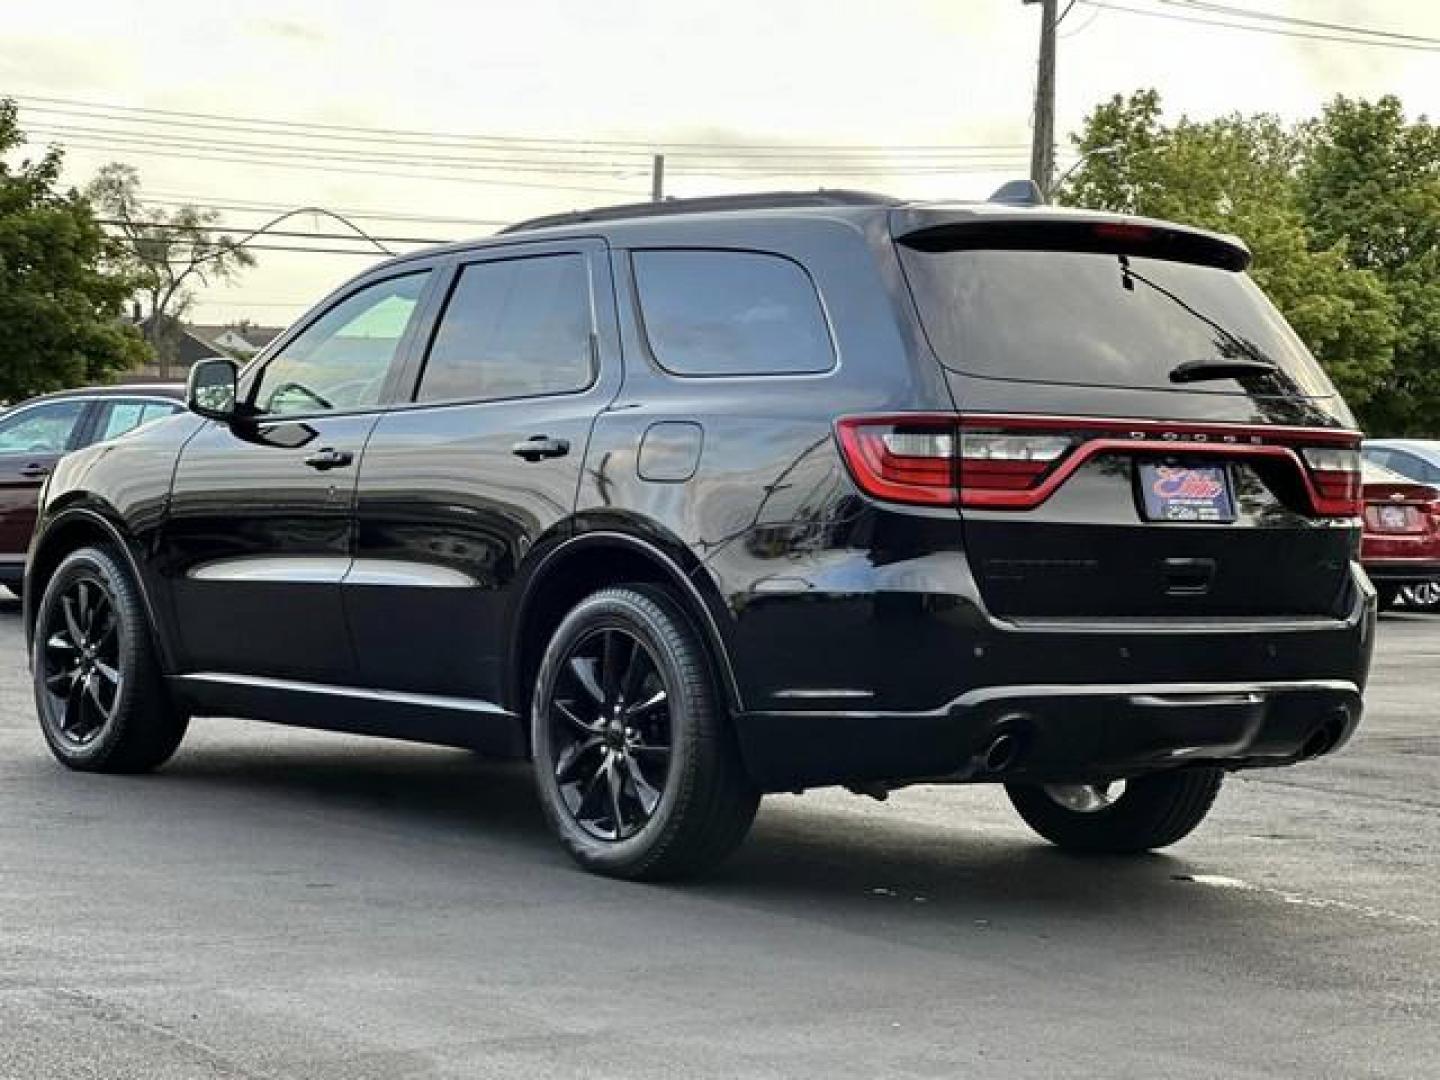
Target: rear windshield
1098	319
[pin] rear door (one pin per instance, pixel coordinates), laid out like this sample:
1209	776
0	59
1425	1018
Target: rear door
458	487
32	439
1141	434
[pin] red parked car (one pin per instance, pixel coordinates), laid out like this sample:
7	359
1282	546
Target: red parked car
35	434
1401	545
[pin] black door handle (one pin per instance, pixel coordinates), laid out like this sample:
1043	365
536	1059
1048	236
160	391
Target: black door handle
329	458
34	472
541	446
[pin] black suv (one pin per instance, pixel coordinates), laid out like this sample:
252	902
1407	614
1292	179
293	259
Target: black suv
700	500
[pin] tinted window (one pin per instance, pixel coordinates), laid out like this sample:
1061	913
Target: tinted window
1108	320
40	429
340	361
1413	466
127	414
512	328
731	313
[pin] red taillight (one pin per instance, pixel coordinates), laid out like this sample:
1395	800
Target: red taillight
1016	462
902	459
1335	472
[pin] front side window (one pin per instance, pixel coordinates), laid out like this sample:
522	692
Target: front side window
513	328
340	361
127	414
731	313
41	429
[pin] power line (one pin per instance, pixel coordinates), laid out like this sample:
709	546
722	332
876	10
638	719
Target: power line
169	226
621	157
645	147
1273	30
239	204
292	151
1290	20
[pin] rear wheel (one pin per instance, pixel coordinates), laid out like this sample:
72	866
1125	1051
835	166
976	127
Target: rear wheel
102	702
638	772
1125	817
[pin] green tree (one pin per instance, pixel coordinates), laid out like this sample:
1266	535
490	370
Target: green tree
1238	174
1370	184
167	253
61	298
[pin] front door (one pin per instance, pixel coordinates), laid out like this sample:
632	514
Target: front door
261	524
32	438
457	487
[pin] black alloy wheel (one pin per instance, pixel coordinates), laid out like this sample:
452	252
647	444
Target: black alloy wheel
103	704
610	733
80	660
637	768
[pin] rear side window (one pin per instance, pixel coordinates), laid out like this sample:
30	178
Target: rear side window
731	313
1097	319
40	429
513	328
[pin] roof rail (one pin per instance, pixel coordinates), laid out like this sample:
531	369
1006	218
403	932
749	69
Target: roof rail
766	200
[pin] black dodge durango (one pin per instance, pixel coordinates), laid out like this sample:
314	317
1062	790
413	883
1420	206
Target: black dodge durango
694	501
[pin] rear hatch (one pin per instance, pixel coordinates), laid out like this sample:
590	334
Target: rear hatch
1140	433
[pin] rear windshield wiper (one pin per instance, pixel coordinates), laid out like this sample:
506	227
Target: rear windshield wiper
1230	368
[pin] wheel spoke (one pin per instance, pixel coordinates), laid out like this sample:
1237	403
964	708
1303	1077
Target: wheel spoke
587	726
60	641
635	672
108	673
613	782
654	701
570	757
71	719
592	787
611	647
645	793
72	624
583	668
92	689
59	682
106	632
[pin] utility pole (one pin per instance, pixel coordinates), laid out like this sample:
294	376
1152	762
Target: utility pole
657	178
1042	147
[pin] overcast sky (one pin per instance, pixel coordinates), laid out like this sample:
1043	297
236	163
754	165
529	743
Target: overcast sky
909	73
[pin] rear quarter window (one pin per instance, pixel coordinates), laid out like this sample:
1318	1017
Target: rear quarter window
731	313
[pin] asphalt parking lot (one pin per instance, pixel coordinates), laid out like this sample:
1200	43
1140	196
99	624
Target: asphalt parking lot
285	904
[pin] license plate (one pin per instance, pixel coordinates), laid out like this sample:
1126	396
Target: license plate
1199	493
1394	517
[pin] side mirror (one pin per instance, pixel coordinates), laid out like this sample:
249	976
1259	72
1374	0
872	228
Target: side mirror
210	391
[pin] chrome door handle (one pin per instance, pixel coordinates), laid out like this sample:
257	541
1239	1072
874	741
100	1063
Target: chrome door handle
34	472
541	446
329	458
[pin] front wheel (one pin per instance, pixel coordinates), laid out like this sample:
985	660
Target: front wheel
102	701
1121	818
638	773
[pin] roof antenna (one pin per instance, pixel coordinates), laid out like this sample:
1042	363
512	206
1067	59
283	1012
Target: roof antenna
1018	193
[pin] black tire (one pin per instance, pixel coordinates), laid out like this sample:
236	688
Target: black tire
103	707
705	803
1386	595
1153	812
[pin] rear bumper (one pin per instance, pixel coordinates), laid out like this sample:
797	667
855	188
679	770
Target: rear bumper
1091	701
1057	733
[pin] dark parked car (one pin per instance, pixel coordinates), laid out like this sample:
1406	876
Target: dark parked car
35	433
700	500
1401	545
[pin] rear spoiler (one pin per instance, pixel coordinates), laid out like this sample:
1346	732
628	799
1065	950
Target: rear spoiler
1001	229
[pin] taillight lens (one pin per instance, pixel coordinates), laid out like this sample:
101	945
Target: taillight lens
1335	471
931	461
902	460
1007	462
